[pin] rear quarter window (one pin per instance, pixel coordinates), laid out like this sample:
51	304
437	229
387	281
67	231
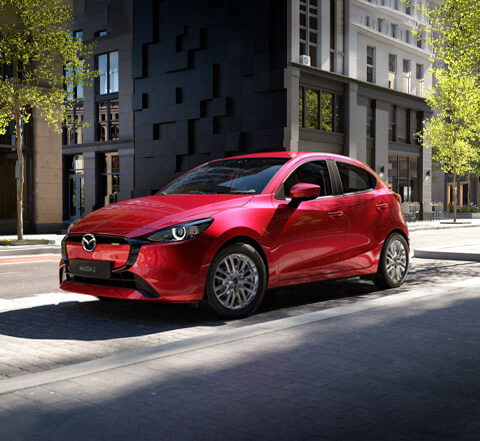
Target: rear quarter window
355	179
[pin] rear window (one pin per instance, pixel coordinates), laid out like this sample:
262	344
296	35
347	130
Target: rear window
355	179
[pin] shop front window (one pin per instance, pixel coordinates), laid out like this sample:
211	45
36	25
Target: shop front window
403	177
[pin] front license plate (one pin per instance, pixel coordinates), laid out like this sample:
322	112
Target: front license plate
90	268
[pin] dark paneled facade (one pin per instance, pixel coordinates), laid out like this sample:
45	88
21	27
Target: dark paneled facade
208	83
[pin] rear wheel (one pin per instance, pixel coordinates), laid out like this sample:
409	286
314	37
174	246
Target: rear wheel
236	281
394	261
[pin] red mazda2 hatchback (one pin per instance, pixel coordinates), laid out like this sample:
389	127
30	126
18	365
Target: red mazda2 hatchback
231	229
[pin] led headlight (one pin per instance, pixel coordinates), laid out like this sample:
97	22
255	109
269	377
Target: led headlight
181	232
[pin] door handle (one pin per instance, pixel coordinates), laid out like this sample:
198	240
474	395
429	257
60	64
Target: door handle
335	214
381	206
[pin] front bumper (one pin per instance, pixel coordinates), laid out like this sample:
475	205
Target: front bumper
165	272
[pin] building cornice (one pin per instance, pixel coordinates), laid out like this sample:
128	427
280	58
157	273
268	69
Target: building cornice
394	14
386	39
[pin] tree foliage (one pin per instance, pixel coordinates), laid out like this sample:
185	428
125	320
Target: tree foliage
453	130
35	46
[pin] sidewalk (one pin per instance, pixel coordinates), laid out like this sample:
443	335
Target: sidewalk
23	250
393	368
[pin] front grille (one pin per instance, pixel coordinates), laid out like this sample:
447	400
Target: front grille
118	280
103	239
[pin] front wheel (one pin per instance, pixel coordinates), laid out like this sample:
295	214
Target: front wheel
394	261
236	281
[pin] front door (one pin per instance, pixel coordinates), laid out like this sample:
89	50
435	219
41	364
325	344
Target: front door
310	236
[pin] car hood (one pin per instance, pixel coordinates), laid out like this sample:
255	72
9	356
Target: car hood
137	217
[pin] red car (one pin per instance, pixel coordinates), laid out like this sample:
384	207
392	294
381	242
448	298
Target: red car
230	229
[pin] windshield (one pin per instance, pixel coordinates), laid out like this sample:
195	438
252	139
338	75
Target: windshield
229	176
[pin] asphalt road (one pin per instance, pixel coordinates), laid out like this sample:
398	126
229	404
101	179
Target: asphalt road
59	329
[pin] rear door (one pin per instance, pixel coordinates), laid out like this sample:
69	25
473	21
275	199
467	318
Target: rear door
366	211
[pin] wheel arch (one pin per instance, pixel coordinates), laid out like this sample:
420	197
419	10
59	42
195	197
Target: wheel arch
402	233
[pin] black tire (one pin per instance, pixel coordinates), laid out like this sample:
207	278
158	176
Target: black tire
236	281
394	262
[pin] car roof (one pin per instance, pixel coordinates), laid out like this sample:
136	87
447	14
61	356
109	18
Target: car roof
299	155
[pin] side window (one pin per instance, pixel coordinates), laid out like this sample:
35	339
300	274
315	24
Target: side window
315	172
355	179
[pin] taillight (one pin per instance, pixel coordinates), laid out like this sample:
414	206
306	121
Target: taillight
398	197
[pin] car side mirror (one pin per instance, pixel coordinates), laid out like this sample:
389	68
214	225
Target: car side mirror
303	192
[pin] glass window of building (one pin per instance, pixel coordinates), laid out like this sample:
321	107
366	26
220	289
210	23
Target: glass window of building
394	30
420	39
406	75
407	36
401	124
320	110
107	65
403	176
370	64
371	112
73	128
380	22
76	188
309	29
418	125
327	111
111	175
107	121
392	127
392	70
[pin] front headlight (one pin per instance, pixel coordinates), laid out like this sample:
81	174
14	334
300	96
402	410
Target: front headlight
181	232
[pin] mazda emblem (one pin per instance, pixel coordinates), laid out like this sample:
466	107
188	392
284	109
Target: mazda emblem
89	242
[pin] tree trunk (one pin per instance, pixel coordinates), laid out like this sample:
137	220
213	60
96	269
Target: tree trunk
19	148
469	195
455	195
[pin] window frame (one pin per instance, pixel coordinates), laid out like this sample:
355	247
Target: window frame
108	74
371	66
280	191
343	193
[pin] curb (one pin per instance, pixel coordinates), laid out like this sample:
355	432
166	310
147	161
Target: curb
412	227
446	255
29	250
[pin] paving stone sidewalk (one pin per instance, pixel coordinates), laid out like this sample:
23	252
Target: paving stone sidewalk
401	367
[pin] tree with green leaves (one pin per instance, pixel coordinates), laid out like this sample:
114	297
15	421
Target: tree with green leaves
454	128
44	62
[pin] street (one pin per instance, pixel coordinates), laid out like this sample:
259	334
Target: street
42	329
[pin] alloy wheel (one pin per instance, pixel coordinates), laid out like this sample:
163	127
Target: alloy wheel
396	261
236	281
